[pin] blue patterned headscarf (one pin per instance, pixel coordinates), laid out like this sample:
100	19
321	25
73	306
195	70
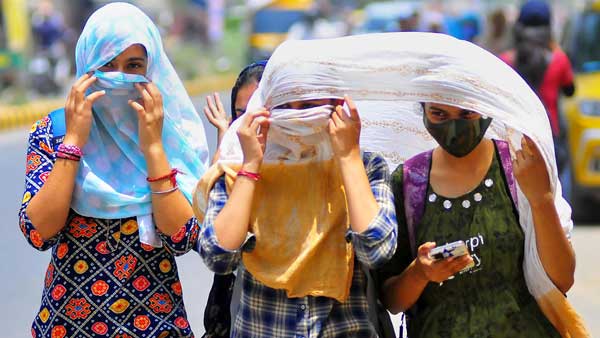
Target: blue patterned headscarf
111	182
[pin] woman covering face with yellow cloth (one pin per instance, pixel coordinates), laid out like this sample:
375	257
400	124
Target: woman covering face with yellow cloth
314	204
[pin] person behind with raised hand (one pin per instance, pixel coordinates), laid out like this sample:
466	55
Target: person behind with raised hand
299	207
217	315
245	85
112	197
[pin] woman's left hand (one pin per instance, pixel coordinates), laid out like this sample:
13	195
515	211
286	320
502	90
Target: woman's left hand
344	130
531	174
150	116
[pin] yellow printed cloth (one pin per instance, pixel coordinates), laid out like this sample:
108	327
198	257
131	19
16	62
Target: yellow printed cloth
299	219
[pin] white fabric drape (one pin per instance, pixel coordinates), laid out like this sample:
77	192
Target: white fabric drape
387	75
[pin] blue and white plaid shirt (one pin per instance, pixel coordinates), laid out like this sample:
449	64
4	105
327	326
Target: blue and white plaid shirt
267	312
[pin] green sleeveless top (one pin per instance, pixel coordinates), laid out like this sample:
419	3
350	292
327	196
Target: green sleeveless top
489	300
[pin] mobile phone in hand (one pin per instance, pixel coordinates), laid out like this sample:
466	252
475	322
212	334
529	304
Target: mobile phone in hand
454	249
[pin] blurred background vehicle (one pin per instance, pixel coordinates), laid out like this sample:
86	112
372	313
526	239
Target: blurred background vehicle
389	16
270	23
581	41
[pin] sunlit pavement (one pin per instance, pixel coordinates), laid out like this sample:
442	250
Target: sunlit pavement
22	268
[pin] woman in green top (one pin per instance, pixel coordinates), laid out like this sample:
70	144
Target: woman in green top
468	198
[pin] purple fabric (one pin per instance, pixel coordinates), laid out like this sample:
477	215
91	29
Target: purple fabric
506	161
414	186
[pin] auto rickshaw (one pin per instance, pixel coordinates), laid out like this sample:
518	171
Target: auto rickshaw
581	41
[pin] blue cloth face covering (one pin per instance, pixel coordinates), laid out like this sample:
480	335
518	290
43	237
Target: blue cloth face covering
118	83
119	88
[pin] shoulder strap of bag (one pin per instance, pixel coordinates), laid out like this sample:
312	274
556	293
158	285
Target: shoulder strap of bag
59	127
507	169
415	177
378	315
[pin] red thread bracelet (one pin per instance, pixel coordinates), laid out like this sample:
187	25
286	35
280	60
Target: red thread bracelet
171	176
252	176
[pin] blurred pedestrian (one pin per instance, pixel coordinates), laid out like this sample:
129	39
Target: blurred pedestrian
465	26
547	70
497	38
108	187
410	23
433	22
217	314
48	25
470	26
50	65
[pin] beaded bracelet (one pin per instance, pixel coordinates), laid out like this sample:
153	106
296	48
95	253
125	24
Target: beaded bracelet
252	176
70	149
67	156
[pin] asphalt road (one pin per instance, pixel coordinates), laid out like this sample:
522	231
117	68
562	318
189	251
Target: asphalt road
22	268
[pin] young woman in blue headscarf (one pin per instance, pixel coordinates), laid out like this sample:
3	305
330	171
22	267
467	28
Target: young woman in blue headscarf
112	197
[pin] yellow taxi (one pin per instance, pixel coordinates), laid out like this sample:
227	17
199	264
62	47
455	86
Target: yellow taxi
271	23
582	111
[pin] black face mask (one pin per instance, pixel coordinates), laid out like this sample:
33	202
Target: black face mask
458	137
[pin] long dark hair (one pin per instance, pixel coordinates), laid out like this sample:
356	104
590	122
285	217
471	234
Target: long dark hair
251	73
533	53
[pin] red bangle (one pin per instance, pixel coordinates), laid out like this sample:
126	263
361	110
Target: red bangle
252	176
171	176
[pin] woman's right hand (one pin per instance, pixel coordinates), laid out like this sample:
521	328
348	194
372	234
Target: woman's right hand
253	137
438	271
78	111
